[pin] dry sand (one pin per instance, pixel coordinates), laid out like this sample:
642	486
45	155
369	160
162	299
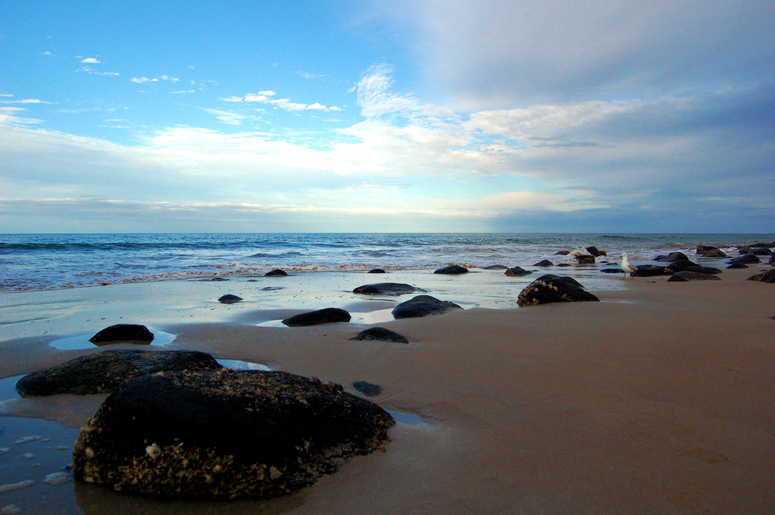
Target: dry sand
659	399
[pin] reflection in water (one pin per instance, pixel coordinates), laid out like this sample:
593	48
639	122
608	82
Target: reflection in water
81	341
236	364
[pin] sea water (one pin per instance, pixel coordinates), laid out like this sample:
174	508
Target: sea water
53	261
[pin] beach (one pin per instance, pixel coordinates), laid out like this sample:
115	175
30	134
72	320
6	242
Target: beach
658	399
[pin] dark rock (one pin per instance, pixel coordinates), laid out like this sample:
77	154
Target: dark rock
229	299
562	253
594	251
685	275
672	257
737	265
322	316
611	270
710	251
765	277
545	262
517	272
682	265
763	251
128	333
225	434
385	289
105	371
652	271
703	270
423	305
276	273
563	265
367	389
585	259
496	267
747	259
551	288
376	271
772	259
380	334
452	270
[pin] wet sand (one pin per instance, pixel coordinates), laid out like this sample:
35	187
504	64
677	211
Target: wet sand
659	399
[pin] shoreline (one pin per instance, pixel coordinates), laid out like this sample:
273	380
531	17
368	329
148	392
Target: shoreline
658	399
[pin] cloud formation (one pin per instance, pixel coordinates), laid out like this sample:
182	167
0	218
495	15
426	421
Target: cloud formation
265	97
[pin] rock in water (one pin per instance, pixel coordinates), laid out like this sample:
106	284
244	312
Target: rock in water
517	271
229	299
380	334
552	288
225	434
710	251
126	333
452	270
544	262
385	289
376	271
423	305
276	273
105	371
322	316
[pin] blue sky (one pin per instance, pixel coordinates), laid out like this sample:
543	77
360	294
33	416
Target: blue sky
453	115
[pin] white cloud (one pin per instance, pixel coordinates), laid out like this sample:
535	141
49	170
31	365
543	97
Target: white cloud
226	117
92	71
91	60
265	97
5	95
141	80
374	94
182	91
171	79
26	101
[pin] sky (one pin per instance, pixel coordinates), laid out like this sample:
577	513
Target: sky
387	116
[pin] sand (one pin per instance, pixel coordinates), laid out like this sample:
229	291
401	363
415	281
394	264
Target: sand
659	399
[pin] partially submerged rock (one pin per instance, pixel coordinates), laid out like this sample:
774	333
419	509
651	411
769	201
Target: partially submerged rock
225	434
517	271
764	277
495	267
124	333
229	299
594	251
321	316
710	251
423	305
386	289
685	275
544	262
452	270
107	370
276	273
380	334
585	259
672	257
376	271
551	288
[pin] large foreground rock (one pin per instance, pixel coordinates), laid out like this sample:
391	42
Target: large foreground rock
552	288
225	434
423	305
386	289
322	316
123	333
105	371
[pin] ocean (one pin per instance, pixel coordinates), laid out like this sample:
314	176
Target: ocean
34	262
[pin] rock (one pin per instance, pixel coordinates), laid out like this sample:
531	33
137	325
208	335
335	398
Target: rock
229	299
682	265
545	262
125	333
762	251
772	259
709	251
593	251
423	305
585	259
380	334
367	389
685	275
376	271
276	273
736	265
672	257
496	267
562	253
703	270
517	272
322	316
225	434
552	288
385	289
105	371
764	277
452	270
747	259
611	270
652	271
